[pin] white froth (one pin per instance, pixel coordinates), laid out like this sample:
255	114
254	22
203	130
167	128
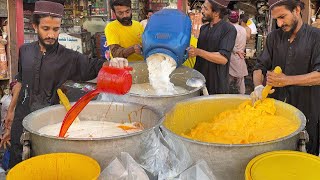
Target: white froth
160	66
146	89
89	129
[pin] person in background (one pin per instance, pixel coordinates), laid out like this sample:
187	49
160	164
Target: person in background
124	35
215	44
145	22
238	67
7	112
43	67
243	22
295	47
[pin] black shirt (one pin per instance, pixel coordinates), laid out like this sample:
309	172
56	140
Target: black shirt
299	57
218	38
41	74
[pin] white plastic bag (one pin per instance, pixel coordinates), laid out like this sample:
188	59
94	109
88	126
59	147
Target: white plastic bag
163	155
126	169
153	154
178	159
200	171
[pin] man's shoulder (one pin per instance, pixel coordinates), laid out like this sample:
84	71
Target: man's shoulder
62	49
275	33
313	31
228	26
240	28
112	24
136	24
28	46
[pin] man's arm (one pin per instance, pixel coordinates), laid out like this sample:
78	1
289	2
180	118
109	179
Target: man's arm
264	63
258	77
118	51
309	79
10	114
248	31
214	57
281	80
225	48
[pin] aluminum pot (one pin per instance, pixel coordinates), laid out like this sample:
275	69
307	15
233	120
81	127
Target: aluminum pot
178	77
101	149
227	161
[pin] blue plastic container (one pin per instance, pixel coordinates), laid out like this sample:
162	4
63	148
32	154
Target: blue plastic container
168	31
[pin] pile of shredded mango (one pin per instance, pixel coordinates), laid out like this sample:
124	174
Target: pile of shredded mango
245	125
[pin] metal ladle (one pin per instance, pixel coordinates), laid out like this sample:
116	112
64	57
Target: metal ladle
196	83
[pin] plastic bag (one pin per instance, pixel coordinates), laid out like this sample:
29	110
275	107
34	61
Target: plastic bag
178	159
200	171
163	155
153	154
126	169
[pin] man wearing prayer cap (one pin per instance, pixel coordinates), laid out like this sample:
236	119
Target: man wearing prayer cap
215	44
295	47
238	67
43	67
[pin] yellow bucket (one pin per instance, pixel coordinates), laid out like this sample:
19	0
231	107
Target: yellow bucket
56	166
284	165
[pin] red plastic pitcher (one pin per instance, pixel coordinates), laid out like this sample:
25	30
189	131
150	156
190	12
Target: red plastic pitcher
110	80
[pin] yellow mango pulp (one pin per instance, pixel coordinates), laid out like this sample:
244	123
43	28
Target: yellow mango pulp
244	125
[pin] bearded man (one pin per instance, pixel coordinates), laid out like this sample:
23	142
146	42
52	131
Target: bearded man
215	44
43	67
295	47
124	35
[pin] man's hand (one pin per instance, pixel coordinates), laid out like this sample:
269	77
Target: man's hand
257	93
277	80
5	139
241	54
8	120
119	62
192	51
137	49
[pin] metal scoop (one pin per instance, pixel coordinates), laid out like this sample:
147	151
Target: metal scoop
196	83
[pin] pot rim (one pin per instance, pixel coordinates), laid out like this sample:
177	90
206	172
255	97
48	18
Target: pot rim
245	97
174	95
30	116
167	96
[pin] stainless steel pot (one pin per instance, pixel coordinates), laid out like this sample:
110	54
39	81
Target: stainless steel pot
227	161
101	149
178	77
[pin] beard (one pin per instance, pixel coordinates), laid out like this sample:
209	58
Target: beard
293	27
47	46
126	21
206	19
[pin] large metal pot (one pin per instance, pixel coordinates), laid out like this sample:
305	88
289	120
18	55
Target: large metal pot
140	75
227	161
101	149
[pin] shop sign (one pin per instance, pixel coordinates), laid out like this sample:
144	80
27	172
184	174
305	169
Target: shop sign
70	42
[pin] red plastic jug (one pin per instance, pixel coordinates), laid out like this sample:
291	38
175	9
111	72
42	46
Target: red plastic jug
110	80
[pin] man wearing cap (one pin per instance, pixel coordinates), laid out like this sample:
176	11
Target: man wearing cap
215	44
238	67
43	67
295	47
124	35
